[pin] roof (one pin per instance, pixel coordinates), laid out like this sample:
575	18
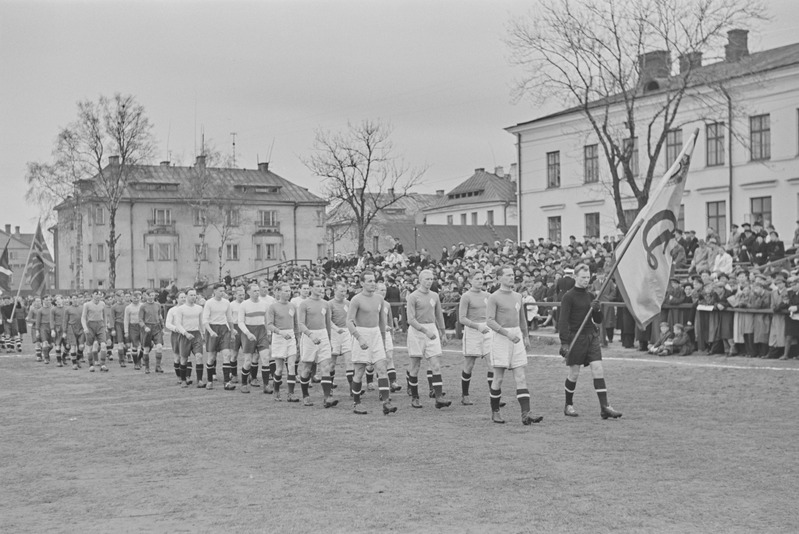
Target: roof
754	63
23	240
435	236
488	188
164	182
403	209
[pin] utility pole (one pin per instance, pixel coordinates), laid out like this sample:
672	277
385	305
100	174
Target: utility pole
233	134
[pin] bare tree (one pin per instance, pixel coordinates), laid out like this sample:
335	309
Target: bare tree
590	54
358	168
224	217
117	127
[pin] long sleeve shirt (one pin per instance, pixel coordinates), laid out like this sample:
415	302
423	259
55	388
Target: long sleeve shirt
573	308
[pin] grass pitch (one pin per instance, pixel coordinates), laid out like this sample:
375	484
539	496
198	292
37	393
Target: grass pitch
706	444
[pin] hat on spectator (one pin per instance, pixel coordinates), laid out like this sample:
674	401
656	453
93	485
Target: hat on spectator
779	277
721	275
568	270
679	326
674	279
664	323
746	225
734	225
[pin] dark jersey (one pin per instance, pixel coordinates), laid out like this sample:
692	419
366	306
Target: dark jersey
573	309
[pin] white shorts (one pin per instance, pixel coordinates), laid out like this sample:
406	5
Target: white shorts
476	343
340	343
284	348
375	352
389	341
313	353
508	355
419	345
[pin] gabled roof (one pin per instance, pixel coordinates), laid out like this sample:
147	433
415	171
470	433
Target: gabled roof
754	63
22	240
163	182
483	186
435	236
404	209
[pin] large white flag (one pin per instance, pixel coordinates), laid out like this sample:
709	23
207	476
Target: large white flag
645	266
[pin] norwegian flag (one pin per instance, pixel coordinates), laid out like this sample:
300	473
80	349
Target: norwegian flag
39	264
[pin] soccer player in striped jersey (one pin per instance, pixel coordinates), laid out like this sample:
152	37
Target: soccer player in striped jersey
188	322
368	328
217	320
476	334
509	345
118	326
151	325
174	335
235	340
132	329
281	321
426	321
255	344
340	338
267	363
313	321
389	318
43	326
93	319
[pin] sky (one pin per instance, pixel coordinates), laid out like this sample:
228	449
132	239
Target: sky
275	72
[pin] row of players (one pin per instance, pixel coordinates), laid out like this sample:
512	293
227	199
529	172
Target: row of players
266	330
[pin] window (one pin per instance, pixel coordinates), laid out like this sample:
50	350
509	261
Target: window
449	220
629	216
198	217
100	255
151	283
201	252
715	144
232	252
99	215
320	250
269	218
375	243
150	252
463	219
591	163
553	227
474	218
490	217
632	145
232	217
681	218
760	208
673	146
553	169
164	252
259	255
320	219
717	218
270	251
100	283
162	216
592	224
760	136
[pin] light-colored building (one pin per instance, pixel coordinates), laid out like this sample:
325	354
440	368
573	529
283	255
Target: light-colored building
19	246
342	235
750	175
483	198
251	218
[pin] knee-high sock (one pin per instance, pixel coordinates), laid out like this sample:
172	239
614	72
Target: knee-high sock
570	392
383	387
523	396
327	382
465	379
601	391
291	381
356	392
495	396
304	381
430	379
265	372
198	368
438	385
413	385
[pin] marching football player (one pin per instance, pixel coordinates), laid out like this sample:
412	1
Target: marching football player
152	327
313	320
217	320
255	343
476	334
281	321
188	321
93	319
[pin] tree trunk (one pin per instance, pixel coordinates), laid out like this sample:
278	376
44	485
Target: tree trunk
361	237
78	249
112	249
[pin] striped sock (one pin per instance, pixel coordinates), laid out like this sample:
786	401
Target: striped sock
523	396
465	379
304	381
438	385
382	385
327	381
226	372
253	372
245	374
177	367
370	375
570	386
265	373
350	373
356	392
198	368
210	371
430	379
601	391
278	381
413	386
291	381
495	395
392	375
234	369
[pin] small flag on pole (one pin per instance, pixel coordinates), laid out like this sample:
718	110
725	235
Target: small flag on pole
5	272
40	264
644	270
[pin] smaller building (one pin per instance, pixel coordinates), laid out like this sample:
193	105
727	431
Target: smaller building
483	199
19	246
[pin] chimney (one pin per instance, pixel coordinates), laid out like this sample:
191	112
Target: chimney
653	66
263	167
439	192
499	171
16	230
737	45
164	164
200	163
113	160
690	61
480	169
8	229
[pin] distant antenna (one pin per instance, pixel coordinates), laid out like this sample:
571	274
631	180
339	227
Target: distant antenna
233	134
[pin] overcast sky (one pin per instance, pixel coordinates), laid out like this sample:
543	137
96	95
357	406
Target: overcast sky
274	72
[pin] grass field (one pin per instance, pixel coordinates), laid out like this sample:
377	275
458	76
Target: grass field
706	444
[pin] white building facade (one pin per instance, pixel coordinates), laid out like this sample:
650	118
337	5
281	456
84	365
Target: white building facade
745	166
484	198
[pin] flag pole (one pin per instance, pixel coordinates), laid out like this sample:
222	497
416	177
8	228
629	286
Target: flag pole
603	288
22	278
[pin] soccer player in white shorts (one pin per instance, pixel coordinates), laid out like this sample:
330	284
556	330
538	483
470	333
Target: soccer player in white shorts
340	338
389	318
476	334
281	321
313	320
